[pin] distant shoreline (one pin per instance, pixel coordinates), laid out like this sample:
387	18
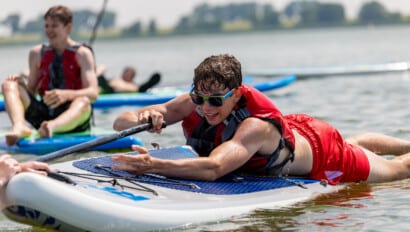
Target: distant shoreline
20	39
35	38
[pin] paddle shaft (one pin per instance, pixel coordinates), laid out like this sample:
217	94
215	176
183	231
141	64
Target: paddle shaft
102	140
97	22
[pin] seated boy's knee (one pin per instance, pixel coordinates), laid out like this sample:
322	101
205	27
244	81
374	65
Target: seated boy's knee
84	103
83	100
8	85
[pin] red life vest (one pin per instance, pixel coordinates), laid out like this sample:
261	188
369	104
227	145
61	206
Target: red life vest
59	71
204	138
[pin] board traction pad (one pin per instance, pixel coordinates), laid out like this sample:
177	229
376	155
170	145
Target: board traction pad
228	185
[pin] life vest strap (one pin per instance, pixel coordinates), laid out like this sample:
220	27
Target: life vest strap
237	116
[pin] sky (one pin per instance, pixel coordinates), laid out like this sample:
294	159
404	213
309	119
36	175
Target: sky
166	12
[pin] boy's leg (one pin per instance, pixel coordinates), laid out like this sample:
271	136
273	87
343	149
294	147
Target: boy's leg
382	169
15	98
381	144
155	79
78	113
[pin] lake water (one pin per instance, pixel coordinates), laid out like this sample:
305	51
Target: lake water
378	103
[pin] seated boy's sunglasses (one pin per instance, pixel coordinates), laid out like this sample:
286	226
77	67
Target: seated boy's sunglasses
216	101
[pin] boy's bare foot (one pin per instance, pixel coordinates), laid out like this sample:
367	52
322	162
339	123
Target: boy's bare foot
16	134
45	130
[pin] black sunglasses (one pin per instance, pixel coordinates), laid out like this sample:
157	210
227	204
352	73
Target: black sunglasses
216	101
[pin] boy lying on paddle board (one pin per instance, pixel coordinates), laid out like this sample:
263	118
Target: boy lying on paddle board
235	127
124	83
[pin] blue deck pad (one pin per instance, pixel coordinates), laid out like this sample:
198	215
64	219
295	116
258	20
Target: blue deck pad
227	185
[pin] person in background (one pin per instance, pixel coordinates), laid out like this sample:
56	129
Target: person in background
236	128
63	74
10	167
124	83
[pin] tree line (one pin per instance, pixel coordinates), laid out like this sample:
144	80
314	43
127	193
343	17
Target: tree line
231	17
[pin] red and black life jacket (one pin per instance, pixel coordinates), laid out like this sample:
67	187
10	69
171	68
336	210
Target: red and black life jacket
59	71
204	138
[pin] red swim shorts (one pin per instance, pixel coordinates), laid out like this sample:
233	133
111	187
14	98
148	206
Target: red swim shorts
334	159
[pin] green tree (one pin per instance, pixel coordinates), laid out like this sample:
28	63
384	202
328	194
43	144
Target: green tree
373	13
13	20
238	11
134	30
205	18
304	12
34	26
184	25
152	27
395	17
331	14
313	13
270	17
309	13
210	19
108	20
208	25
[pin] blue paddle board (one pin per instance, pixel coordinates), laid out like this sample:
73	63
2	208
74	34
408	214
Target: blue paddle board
333	71
164	94
41	146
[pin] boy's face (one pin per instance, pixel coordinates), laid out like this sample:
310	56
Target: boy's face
128	75
217	114
56	31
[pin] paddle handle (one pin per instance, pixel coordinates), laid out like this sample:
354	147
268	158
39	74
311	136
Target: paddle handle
95	142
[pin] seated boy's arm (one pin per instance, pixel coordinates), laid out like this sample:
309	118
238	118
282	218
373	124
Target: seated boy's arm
89	81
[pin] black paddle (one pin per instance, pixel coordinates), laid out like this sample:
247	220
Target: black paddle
97	22
102	140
